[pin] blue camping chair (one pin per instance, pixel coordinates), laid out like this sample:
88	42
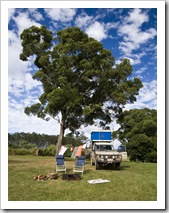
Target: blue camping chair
79	166
60	164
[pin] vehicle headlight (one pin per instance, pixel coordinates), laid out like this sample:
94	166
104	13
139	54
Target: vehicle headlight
106	157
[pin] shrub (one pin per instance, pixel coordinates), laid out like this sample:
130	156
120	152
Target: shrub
151	157
49	151
20	151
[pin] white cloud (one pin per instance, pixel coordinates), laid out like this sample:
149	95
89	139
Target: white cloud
30	83
23	21
149	34
147	97
20	82
137	17
11	12
21	86
35	14
134	61
148	92
20	122
19	78
131	32
127	47
15	66
61	14
97	31
141	70
83	20
94	28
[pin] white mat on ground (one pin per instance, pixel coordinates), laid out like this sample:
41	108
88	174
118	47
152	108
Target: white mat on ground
98	181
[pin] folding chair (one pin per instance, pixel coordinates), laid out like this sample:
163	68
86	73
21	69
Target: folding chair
79	166
60	164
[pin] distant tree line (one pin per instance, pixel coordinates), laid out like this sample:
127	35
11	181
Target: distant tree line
31	140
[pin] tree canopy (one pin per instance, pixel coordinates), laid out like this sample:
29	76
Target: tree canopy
80	79
138	130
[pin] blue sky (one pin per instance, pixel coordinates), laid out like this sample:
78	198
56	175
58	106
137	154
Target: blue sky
127	32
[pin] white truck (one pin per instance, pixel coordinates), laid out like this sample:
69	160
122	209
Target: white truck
103	152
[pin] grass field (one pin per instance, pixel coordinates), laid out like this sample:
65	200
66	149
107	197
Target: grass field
133	182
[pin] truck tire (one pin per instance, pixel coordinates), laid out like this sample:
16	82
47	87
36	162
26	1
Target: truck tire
117	165
97	165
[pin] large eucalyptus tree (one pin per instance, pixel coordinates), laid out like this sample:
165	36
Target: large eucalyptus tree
81	82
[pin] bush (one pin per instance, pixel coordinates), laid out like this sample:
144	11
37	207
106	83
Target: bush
142	148
11	151
151	157
20	151
49	151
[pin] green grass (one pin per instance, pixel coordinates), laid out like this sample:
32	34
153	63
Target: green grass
133	182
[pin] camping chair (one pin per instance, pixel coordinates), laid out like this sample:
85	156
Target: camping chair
60	164
79	166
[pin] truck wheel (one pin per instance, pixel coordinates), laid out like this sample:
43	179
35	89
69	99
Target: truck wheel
92	163
117	165
97	165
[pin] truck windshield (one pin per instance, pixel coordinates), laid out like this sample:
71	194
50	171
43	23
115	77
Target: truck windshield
104	148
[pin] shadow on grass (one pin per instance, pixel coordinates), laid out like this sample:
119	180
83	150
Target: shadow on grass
124	167
109	167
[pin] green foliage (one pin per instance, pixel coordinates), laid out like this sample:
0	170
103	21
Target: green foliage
30	140
140	147
49	151
138	130
21	151
78	76
21	144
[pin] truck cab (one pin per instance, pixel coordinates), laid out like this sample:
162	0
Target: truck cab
103	152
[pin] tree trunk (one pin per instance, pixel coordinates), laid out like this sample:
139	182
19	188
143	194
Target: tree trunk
60	138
